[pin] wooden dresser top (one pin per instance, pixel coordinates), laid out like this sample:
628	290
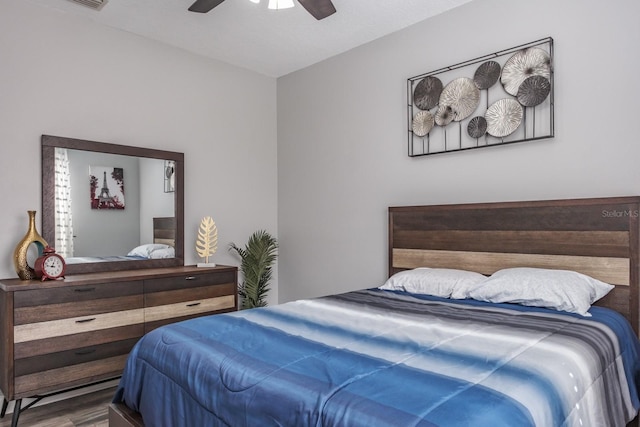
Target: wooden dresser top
12	285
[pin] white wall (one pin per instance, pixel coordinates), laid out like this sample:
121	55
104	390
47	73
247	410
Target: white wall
66	76
342	137
154	202
103	232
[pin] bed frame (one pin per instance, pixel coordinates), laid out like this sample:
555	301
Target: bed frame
598	237
164	230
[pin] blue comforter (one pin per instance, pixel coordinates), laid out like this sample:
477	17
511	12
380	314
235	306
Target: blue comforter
379	358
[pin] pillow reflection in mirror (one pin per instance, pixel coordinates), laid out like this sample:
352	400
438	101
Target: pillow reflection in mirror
145	251
162	253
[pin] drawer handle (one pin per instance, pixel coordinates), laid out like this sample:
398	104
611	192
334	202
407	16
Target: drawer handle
193	304
84	289
86	320
85	352
190	278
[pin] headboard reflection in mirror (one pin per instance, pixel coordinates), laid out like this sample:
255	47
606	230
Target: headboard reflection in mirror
105	206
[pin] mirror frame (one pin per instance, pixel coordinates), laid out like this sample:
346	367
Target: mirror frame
50	143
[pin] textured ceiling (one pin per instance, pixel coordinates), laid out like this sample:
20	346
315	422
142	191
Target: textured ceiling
251	36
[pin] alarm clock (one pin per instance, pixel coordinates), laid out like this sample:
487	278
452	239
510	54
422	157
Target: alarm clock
49	265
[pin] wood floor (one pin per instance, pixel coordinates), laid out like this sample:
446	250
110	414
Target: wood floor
88	410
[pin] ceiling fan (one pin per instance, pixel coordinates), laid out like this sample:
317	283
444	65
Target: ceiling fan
320	9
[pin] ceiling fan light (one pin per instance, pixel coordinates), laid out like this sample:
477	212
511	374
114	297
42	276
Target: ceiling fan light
280	4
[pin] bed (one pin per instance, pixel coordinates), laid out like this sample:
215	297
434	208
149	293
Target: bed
164	232
392	357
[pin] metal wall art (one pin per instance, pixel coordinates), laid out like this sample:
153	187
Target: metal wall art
496	99
169	176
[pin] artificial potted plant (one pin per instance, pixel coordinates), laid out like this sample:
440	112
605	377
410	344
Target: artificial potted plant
258	257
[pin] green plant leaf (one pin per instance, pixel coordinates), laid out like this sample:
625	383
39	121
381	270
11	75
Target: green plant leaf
257	259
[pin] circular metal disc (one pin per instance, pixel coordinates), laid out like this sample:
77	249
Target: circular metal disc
533	91
423	122
477	127
462	95
427	93
503	117
522	65
487	75
444	115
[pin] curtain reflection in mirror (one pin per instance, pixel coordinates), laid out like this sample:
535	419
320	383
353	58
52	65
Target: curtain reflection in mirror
63	218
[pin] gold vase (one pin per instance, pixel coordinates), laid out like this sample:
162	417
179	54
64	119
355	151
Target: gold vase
25	272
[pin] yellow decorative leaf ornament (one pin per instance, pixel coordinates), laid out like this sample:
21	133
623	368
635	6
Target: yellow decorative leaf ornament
207	242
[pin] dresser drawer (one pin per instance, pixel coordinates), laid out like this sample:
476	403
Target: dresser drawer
56	360
89	308
177	302
192	280
69	376
74	301
189	308
32	348
76	325
72	294
188	294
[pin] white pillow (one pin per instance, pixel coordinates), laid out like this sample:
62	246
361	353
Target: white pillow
162	253
561	290
145	250
431	281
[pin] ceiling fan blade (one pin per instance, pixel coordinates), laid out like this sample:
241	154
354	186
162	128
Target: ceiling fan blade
204	6
320	9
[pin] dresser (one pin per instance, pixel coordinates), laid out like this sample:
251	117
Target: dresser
57	335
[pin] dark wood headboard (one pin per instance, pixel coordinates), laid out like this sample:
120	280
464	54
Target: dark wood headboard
164	230
598	237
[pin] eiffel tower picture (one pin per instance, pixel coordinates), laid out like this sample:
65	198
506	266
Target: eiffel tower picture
111	194
104	197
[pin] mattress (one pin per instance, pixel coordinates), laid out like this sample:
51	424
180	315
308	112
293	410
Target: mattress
382	358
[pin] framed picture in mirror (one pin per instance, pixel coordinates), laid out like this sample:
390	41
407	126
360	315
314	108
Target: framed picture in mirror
107	187
169	176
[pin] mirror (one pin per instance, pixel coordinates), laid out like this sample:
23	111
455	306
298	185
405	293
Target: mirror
112	207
